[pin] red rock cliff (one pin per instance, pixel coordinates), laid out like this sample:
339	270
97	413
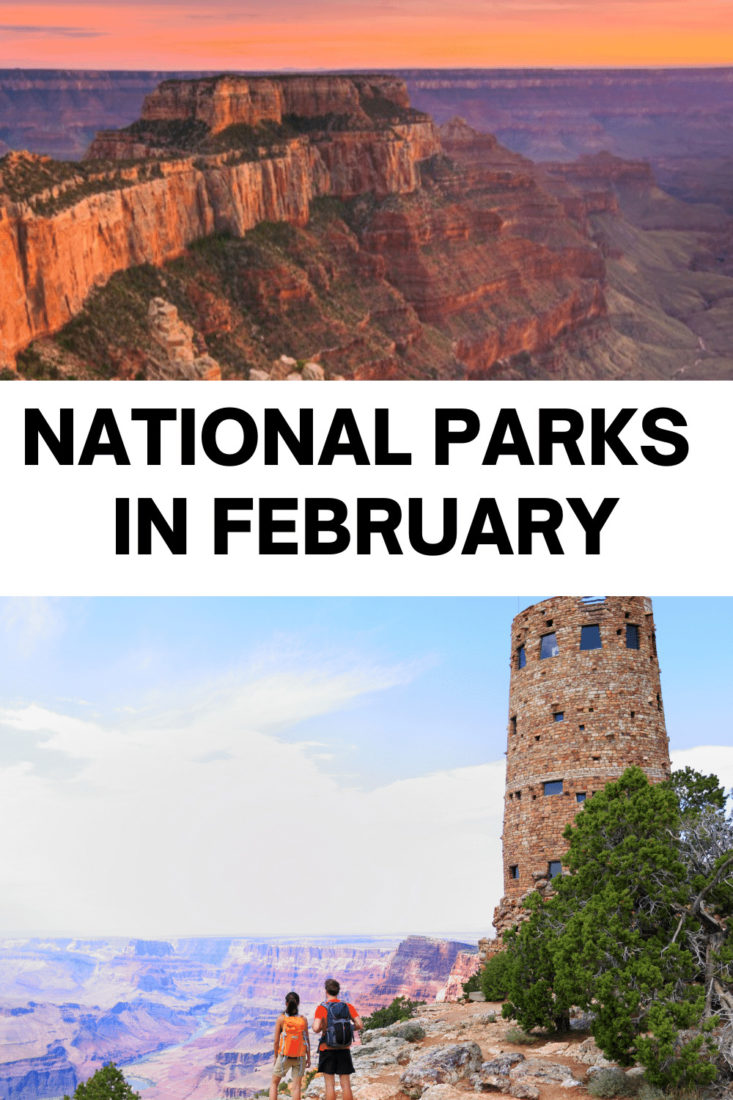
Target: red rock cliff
61	239
224	101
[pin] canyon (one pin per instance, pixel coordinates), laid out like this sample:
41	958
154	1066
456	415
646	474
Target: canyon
187	1017
269	223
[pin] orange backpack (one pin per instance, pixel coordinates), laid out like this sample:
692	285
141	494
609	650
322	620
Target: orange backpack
292	1038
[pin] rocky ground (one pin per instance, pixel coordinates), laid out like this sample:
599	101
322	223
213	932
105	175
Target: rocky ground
451	1051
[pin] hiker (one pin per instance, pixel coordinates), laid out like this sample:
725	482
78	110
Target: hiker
292	1047
336	1021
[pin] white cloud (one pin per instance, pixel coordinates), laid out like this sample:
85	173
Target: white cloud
30	623
708	759
204	821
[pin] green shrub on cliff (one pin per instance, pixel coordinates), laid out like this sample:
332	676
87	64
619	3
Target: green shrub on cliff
401	1008
108	1083
639	931
494	977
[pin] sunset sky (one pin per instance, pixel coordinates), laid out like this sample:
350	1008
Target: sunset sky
311	34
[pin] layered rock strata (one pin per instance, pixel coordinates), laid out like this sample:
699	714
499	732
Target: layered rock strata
464	255
59	242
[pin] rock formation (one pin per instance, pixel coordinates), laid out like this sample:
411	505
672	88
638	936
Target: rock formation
464	256
49	1074
175	340
420	968
465	965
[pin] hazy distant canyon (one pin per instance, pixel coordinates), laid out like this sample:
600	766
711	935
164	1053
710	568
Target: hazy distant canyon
574	224
187	1017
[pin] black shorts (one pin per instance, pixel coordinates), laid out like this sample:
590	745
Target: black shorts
335	1062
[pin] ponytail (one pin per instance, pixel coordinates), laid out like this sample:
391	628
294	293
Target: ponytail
292	1002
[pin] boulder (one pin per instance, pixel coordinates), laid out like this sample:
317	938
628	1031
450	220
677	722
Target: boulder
504	1063
548	1049
522	1090
313	372
491	1082
410	1030
445	1064
282	368
388	1050
590	1054
547	1071
493	1076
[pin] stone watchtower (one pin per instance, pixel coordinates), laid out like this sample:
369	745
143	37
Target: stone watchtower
585	702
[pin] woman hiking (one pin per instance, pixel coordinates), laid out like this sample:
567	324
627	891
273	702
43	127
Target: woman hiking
292	1047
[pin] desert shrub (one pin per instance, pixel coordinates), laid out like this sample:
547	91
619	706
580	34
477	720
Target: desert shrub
646	1091
611	1082
519	1036
401	1008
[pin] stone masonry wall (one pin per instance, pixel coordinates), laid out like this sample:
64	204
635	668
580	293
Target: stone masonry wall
577	718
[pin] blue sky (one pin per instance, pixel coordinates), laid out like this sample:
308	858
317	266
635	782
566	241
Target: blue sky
448	707
171	745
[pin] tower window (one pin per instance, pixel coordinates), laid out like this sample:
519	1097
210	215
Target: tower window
514	871
553	786
559	716
513	724
580	796
590	637
632	636
581	727
548	646
518	794
554	868
521	657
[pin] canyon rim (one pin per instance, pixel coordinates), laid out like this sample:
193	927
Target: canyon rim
316	226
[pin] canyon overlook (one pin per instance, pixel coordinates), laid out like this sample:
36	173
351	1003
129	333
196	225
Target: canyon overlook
190	1017
319	221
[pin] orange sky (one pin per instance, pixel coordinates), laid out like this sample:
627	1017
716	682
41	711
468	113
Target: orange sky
304	34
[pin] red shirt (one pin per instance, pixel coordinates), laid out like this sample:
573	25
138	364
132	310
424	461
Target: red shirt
322	1014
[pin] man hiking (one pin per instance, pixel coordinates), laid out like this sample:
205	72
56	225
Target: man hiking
336	1021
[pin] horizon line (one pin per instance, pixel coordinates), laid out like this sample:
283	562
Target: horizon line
620	68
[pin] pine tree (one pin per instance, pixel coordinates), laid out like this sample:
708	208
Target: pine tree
638	932
108	1083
